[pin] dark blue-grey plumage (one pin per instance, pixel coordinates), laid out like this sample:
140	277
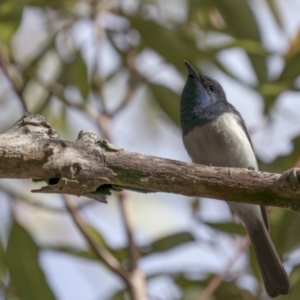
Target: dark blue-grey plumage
214	133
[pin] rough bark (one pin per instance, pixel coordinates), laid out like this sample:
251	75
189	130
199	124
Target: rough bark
92	167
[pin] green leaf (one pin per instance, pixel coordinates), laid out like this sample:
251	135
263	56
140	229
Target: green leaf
292	59
295	284
22	257
226	290
167	100
242	24
199	12
250	46
191	292
169	242
72	251
291	69
274	10
160	39
273	89
120	295
2	261
75	73
239	19
163	244
96	235
284	230
230	290
41	3
232	228
283	163
120	254
10	18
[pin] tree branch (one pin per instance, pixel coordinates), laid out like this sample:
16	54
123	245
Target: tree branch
101	252
132	250
89	166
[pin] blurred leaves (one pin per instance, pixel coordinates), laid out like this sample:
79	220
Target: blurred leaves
96	236
11	13
275	12
285	226
10	17
283	163
72	251
230	290
292	59
231	228
167	100
119	296
241	22
207	29
22	258
295	281
170	241
226	290
160	245
75	73
2	261
172	44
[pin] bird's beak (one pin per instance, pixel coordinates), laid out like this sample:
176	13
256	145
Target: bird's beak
190	70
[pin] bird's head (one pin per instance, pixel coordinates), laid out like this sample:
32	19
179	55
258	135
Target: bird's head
199	95
201	90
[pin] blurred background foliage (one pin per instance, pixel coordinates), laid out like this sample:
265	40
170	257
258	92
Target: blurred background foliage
87	63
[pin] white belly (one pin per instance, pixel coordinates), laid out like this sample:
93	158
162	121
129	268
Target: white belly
222	144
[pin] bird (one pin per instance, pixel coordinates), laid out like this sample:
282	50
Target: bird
214	134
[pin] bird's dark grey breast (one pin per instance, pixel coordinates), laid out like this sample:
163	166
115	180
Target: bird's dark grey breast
222	142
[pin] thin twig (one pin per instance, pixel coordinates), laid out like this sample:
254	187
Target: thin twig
15	196
133	82
21	197
57	90
132	85
5	65
217	280
41	206
102	253
103	122
132	250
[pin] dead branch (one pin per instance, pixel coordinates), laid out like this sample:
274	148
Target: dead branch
91	167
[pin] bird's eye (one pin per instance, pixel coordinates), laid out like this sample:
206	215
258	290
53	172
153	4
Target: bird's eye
212	88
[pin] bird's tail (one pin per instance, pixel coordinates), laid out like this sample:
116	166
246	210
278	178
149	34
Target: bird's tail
275	278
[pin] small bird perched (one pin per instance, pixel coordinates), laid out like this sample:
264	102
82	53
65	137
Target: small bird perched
214	134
